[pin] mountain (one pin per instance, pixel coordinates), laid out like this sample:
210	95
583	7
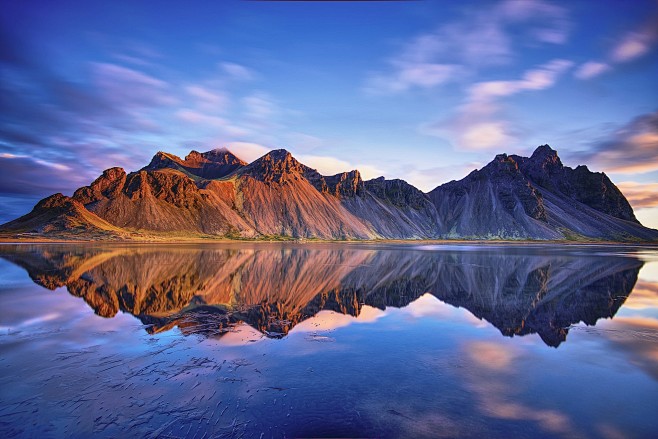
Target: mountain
62	216
208	290
537	197
215	194
212	164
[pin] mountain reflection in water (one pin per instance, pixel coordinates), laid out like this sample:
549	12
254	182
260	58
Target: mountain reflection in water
209	289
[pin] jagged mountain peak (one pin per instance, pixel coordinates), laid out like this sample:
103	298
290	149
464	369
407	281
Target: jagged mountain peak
55	200
505	159
345	184
546	156
162	160
397	192
278	154
217	150
280	157
107	184
113	173
60	215
544	159
353	174
220	156
216	163
276	165
544	150
166	155
194	154
502	164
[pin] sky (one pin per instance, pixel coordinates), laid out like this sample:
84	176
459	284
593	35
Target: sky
425	91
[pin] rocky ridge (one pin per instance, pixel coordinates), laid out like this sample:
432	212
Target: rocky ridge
215	194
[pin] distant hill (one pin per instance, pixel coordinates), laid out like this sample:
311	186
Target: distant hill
215	194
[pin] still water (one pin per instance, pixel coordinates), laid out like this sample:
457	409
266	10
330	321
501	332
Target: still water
328	340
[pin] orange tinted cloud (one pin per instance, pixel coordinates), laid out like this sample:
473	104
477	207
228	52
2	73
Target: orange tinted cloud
644	295
640	195
491	355
631	149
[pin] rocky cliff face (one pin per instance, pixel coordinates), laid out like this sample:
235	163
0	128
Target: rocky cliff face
281	197
397	192
59	216
395	209
216	194
217	163
345	184
594	189
160	200
285	197
536	198
496	201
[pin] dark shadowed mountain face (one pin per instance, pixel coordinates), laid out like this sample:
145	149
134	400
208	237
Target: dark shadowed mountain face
536	198
594	189
496	201
207	291
215	194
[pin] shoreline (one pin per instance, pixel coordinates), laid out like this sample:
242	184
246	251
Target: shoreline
215	241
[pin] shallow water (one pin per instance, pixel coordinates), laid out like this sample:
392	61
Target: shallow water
322	340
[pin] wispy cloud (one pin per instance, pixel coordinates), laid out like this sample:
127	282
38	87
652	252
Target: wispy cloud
196	117
211	124
261	117
591	69
129	51
488	378
130	88
117	113
550	23
237	71
59	125
631	149
208	98
24	175
479	123
410	74
540	78
259	106
303	142
640	195
460	51
635	44
253	118
478	40
631	46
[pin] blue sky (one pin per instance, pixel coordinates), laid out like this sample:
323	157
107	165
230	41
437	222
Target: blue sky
425	91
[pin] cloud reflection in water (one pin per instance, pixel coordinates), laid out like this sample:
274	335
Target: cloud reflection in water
209	290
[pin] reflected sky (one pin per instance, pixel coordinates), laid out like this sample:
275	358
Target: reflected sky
372	341
210	290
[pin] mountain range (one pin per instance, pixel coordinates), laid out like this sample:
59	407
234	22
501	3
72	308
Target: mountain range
217	195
